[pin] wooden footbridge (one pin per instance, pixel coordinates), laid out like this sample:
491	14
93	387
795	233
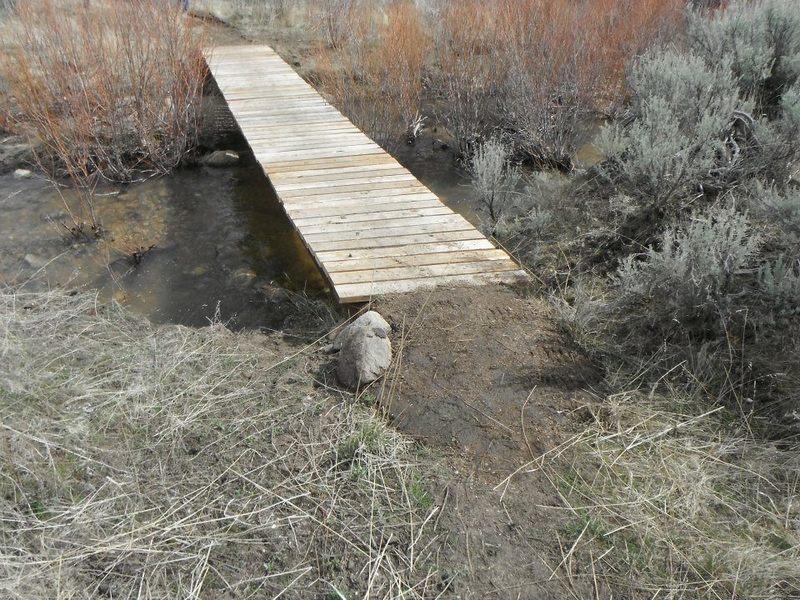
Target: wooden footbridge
370	225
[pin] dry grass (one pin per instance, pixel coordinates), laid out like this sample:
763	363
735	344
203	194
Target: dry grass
673	501
166	462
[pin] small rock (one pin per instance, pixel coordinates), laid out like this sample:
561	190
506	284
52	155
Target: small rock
221	158
365	350
22	174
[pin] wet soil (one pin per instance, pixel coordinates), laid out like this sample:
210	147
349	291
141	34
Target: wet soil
484	378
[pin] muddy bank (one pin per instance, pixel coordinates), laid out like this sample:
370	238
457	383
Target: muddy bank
485	378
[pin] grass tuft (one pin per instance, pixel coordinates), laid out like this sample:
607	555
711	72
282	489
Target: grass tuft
671	501
167	462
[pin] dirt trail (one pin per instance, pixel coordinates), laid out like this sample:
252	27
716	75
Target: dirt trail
484	377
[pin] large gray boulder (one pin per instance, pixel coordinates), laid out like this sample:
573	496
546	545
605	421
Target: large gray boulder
365	350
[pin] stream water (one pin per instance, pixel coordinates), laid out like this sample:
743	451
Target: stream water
221	243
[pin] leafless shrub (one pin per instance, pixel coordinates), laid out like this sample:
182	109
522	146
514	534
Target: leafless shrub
466	78
375	76
106	98
539	67
337	20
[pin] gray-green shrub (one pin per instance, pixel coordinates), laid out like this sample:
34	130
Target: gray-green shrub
779	282
762	41
722	112
780	211
682	106
685	283
494	178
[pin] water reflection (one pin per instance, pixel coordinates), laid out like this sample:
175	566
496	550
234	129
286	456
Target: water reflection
220	240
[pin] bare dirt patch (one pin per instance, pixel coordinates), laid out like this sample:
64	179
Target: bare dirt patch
484	377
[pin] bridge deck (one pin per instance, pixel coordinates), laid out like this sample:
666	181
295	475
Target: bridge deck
370	225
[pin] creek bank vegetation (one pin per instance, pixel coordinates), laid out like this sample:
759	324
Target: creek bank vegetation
674	261
169	462
537	70
100	100
683	283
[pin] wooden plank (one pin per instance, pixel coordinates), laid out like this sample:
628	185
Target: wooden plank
256	86
278	81
419	271
299	135
348	181
341	188
257	107
278	146
265	156
444	225
333	257
363	292
340	219
358	198
361	228
270	95
370	224
415	260
298	199
354	210
316	113
256	133
372	197
396	241
289	129
293	160
349	139
342	173
295	120
334	162
279	106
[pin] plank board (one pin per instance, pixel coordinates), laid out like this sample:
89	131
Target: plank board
372	227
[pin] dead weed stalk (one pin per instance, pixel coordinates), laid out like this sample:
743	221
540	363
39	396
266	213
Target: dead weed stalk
674	501
166	462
